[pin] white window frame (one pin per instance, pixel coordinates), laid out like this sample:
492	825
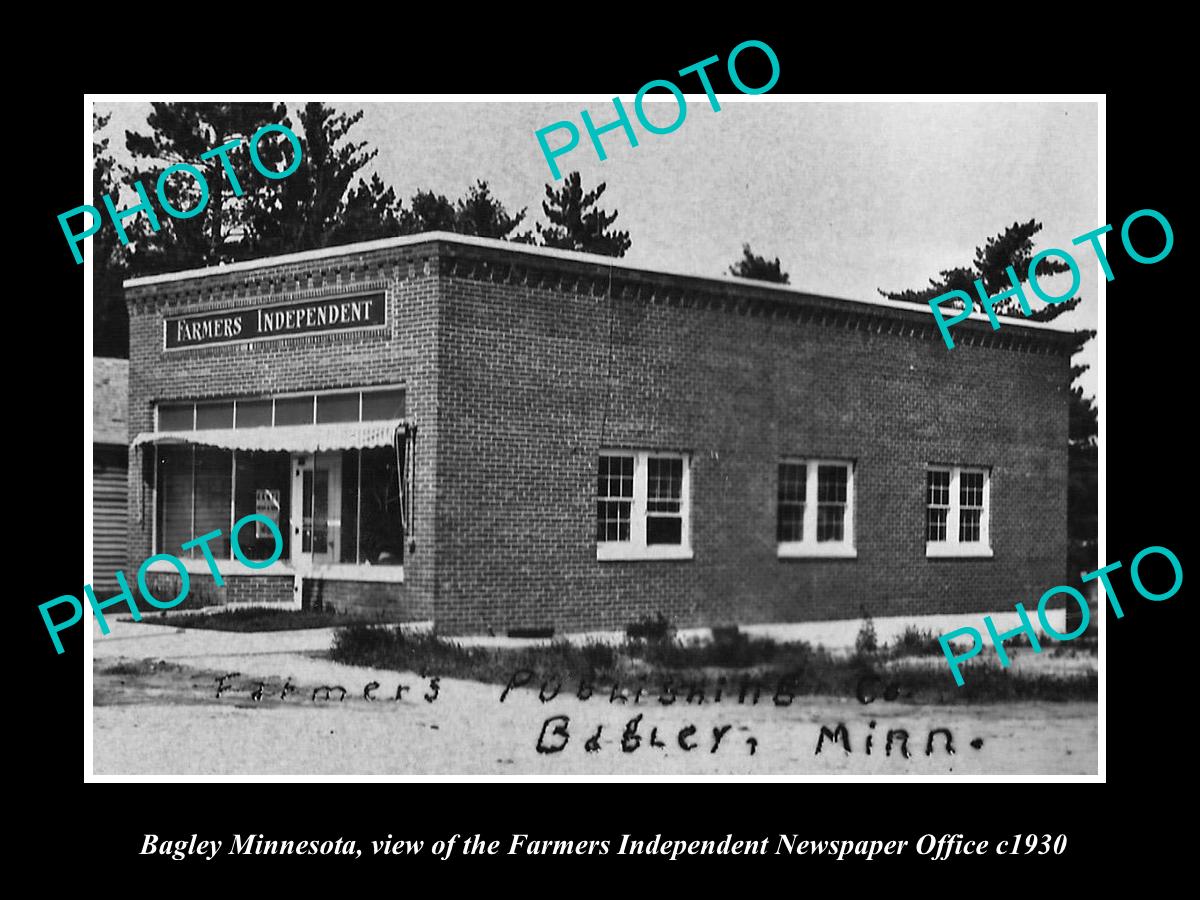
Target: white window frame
810	547
952	547
636	547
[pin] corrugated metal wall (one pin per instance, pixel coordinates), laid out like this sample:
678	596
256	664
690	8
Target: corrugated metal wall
109	513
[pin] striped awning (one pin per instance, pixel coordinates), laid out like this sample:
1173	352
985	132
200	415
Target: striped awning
294	438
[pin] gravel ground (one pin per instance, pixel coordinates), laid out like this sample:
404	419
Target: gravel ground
171	722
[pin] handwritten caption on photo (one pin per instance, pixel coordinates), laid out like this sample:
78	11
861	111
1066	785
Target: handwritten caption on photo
665	691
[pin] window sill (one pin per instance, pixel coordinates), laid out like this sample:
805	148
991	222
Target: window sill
614	552
352	572
942	550
339	572
224	567
817	551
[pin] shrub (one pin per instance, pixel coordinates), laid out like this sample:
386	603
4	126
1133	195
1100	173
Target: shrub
866	642
647	629
914	641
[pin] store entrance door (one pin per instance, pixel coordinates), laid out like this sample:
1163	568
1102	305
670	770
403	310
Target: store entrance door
316	510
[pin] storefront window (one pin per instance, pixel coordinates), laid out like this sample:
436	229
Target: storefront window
378	405
174	491
370	405
213	483
264	482
360	523
349	507
382	539
337	407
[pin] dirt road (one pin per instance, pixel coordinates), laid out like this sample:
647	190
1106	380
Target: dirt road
173	723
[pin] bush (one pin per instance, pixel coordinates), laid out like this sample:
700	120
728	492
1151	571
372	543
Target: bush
867	642
656	629
737	658
914	641
259	618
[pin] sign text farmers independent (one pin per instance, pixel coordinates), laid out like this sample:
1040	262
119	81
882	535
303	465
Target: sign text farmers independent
269	322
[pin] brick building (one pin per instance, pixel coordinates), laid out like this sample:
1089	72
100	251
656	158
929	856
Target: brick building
493	435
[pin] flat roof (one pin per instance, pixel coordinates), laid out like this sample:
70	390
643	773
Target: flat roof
467	240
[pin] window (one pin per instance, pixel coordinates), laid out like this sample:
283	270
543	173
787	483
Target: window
956	511
357	520
643	505
367	405
815	508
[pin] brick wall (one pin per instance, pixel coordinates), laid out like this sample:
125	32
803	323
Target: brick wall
203	590
404	353
511	380
529	392
384	599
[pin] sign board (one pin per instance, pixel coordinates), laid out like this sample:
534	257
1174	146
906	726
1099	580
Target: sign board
265	323
266	503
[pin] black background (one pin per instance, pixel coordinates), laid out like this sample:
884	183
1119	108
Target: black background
1147	409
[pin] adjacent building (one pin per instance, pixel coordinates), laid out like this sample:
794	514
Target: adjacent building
489	435
110	472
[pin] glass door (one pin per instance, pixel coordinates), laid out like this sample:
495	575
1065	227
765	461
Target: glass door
316	509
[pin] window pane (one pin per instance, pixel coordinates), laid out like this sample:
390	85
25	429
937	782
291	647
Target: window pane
382	531
831	484
294	411
612	520
337	407
793	481
664	530
791	522
831	522
214	415
664	484
382	405
264	486
935	523
174	498
615	478
349	506
214	477
939	487
253	413
971	489
969	525
175	417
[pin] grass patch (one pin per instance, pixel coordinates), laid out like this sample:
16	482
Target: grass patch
732	656
136	667
259	619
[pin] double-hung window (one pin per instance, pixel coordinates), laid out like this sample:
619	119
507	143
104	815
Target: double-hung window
643	506
815	508
957	507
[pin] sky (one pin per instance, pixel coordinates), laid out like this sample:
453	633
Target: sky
850	196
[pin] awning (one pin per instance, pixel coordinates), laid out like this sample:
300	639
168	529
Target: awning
295	438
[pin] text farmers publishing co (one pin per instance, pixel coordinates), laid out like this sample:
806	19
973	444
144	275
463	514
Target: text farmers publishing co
935	847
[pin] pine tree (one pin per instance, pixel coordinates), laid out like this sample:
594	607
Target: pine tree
575	223
1014	247
428	212
482	214
312	206
180	133
110	318
758	267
